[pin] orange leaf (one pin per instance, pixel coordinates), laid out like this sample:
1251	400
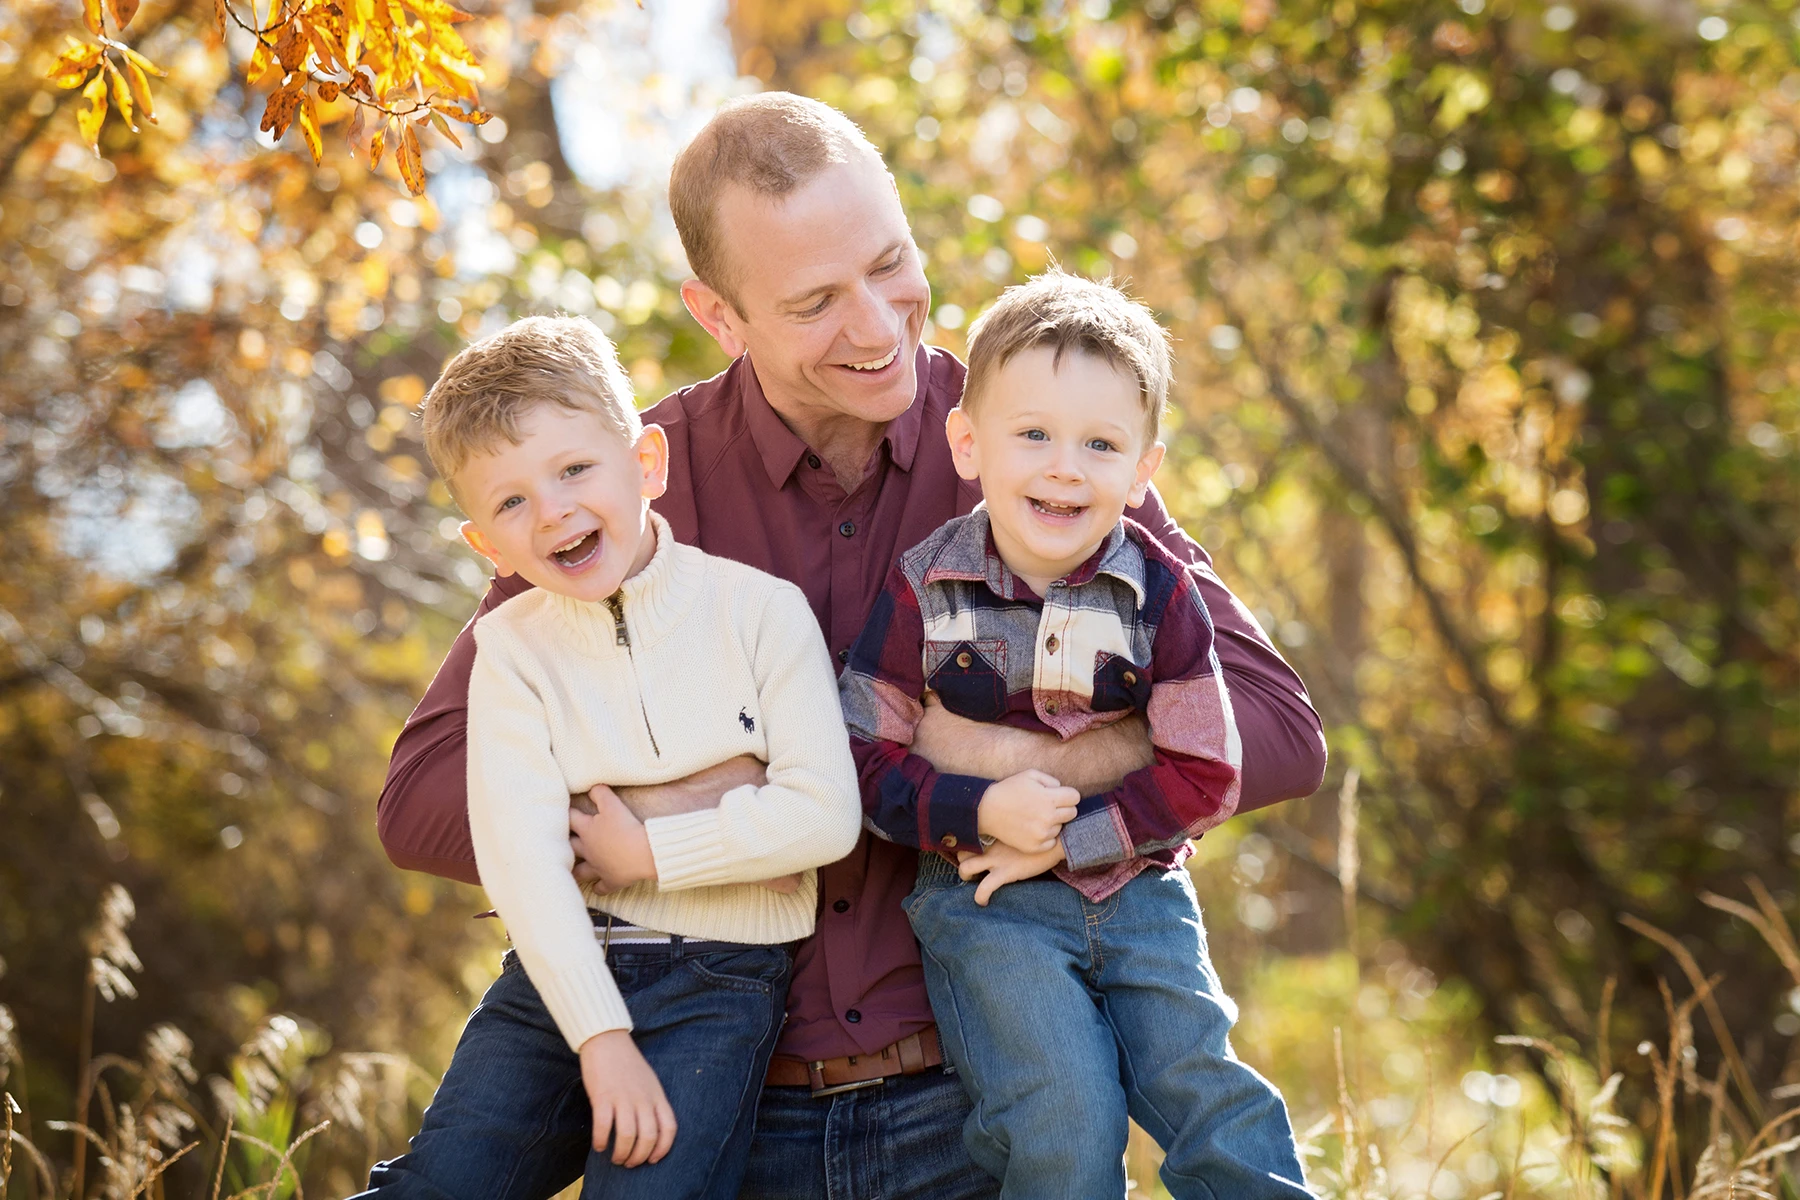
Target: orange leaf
290	47
278	113
328	91
140	86
90	12
121	92
93	116
377	145
219	17
309	129
354	137
123	11
406	157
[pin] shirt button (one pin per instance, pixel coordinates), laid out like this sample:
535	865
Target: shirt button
812	460
848	528
1050	707
844	655
853	1016
1130	678
1051	643
949	841
841	906
963	659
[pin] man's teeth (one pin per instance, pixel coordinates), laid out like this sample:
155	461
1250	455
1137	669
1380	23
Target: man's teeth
875	366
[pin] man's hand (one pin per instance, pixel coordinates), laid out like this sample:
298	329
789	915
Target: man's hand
695	792
611	842
1091	762
628	1101
1003	865
1026	811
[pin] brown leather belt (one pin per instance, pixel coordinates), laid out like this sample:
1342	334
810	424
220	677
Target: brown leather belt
911	1055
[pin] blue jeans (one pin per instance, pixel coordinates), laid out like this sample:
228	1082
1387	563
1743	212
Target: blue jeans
511	1119
1063	1016
898	1140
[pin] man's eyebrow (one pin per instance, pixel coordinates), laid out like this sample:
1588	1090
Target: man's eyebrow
799	300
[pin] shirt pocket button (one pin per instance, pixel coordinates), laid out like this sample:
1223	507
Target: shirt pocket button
963	660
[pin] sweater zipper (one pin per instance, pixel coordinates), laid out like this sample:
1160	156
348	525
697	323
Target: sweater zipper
622	637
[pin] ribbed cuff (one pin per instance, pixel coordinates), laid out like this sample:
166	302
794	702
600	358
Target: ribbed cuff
689	849
583	1001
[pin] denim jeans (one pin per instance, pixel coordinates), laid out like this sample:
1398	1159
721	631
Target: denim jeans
898	1140
1064	1016
511	1119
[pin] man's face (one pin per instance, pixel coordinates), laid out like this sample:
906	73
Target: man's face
1061	450
566	507
832	294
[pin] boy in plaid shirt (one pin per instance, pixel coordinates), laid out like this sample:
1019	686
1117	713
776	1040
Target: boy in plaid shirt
1072	985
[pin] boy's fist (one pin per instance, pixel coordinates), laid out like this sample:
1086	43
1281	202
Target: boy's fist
630	1109
1026	811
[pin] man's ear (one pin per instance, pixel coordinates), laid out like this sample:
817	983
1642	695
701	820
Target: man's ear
717	315
1146	467
479	543
652	452
960	432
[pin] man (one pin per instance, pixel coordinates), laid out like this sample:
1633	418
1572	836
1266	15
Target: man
819	456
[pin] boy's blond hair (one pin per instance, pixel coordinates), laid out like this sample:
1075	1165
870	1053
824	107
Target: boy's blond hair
1069	313
482	393
772	144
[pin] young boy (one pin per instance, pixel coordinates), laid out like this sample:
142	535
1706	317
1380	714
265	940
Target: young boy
1066	1000
635	660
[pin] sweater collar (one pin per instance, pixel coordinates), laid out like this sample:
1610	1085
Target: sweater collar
650	602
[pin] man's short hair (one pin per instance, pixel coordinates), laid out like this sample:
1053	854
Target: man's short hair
483	392
770	144
1067	312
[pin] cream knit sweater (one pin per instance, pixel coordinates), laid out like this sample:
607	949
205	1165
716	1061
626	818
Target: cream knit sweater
697	659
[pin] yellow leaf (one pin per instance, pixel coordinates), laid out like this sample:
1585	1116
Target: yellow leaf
406	157
140	60
73	64
437	119
123	11
261	59
90	12
309	129
93	116
377	145
140	86
219	17
121	92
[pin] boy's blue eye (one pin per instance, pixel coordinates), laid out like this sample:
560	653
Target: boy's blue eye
1037	435
1101	444
574	469
510	502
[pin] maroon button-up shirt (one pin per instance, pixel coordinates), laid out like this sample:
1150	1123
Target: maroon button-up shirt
743	486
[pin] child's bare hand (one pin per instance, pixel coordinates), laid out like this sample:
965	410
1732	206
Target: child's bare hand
1026	811
1001	864
612	851
629	1106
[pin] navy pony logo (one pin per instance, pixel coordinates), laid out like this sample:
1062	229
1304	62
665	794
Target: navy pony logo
747	721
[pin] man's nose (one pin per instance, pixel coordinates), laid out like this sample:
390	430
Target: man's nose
870	323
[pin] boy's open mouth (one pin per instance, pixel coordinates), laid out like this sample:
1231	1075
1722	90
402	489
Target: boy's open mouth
578	552
1058	510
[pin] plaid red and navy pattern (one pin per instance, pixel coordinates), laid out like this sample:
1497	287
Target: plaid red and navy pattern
1125	632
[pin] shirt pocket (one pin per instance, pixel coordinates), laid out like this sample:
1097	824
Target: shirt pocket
1120	685
969	676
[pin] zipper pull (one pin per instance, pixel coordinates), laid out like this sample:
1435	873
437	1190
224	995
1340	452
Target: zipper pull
616	602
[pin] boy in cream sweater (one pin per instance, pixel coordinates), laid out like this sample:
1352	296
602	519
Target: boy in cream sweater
634	660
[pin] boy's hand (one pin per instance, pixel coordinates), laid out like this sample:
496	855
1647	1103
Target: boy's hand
1003	865
610	844
1026	811
628	1101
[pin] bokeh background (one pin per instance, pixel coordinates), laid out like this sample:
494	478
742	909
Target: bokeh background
1488	405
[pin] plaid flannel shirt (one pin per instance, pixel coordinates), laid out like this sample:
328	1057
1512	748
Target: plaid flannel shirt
1126	632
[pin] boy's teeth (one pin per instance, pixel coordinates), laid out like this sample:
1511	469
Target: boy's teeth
565	549
875	366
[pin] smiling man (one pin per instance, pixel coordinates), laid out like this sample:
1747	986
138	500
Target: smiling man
818	456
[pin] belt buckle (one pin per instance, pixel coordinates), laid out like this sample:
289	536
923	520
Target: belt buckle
815	1073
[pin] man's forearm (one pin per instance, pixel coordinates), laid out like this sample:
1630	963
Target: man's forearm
698	791
1091	763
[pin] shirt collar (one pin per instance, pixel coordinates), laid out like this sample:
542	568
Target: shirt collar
781	449
970	555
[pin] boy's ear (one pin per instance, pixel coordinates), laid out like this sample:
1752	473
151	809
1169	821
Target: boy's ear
960	432
1146	467
652	452
479	543
716	315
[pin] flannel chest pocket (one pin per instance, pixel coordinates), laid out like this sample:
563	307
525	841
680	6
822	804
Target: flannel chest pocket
969	676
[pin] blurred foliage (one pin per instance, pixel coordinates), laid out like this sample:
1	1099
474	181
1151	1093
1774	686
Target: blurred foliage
1490	396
